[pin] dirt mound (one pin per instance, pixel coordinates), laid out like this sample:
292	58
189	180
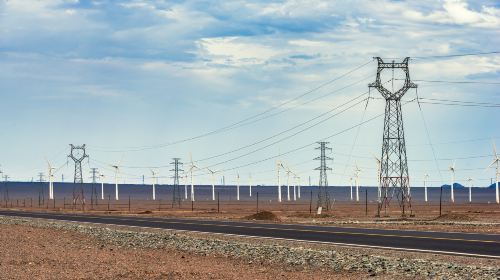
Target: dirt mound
263	215
145	212
454	217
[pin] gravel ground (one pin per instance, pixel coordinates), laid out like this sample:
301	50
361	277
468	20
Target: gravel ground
263	254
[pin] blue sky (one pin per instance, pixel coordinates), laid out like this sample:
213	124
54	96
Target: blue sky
122	74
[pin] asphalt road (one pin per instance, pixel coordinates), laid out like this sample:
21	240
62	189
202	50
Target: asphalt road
475	244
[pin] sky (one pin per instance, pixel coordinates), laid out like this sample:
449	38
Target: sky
141	82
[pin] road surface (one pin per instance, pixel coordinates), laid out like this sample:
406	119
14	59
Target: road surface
468	244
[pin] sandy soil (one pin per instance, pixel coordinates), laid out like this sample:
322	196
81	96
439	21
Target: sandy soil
33	253
459	217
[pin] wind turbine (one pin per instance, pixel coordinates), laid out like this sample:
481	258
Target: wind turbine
185	186
278	166
350	181
452	169
191	168
250	185
237	186
298	187
356	173
470	188
155	181
288	183
117	169
495	162
51	184
102	185
379	163
213	182
426	176
294	187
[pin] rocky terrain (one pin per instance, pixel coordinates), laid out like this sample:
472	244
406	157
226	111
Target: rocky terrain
300	258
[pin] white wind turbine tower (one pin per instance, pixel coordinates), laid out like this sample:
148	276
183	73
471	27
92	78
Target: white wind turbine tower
250	185
238	186
350	181
379	191
470	188
298	187
117	169
51	184
185	186
294	187
191	168
356	174
288	183
452	169
155	181
212	173
426	176
495	162
279	165
102	185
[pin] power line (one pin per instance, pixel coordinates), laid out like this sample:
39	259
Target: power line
458	82
245	120
455	55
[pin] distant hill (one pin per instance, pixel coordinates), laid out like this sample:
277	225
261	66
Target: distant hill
455	186
492	186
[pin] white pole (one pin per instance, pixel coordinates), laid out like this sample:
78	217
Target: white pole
425	189
452	183
116	184
51	186
238	187
470	192
350	180
192	185
496	185
154	189
379	189
288	185
295	189
279	185
102	190
357	188
250	186
185	187
213	186
298	187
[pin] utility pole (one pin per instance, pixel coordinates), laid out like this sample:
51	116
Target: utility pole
394	165
94	173
78	154
6	180
323	196
176	192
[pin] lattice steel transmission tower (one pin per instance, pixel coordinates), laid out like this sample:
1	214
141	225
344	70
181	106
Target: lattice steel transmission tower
78	154
176	192
394	178
323	196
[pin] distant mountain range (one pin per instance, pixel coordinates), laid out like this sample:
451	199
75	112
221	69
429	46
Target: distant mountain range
460	186
455	186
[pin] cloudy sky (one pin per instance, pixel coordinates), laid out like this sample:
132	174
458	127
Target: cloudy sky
237	83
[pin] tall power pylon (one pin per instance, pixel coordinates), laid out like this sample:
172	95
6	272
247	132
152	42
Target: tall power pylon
78	154
176	192
323	196
394	178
